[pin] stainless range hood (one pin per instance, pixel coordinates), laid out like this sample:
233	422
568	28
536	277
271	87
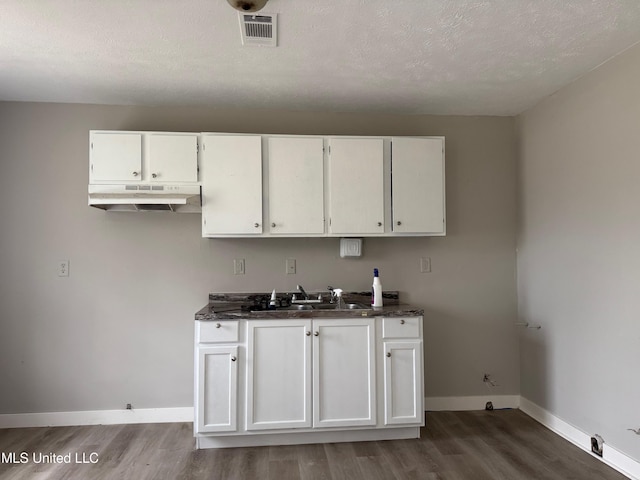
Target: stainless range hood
146	198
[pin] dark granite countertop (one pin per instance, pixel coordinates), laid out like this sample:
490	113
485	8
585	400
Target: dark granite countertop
234	306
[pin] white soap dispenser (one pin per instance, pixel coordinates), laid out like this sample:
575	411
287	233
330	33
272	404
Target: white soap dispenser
376	290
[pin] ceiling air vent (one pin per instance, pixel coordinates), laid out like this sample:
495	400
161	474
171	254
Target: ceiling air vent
260	30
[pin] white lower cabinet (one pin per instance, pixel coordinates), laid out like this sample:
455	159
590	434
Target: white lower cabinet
285	381
217	399
279	380
344	373
402	382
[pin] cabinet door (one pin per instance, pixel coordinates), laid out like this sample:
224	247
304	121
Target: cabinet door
217	382
356	185
231	185
403	383
344	373
296	197
279	374
115	157
172	157
417	179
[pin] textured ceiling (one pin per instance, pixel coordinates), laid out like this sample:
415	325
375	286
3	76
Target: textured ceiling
397	56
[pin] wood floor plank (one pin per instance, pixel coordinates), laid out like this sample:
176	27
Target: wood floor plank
284	470
342	461
480	445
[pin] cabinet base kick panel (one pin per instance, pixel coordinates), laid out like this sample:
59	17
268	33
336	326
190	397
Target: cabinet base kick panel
300	438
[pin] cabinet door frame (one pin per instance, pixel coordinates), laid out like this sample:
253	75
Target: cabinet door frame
231	208
172	157
356	185
207	381
340	353
115	157
403	382
417	185
277	368
295	185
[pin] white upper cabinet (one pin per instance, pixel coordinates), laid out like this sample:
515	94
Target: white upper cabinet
286	185
139	157
231	185
173	157
417	179
356	186
296	185
115	157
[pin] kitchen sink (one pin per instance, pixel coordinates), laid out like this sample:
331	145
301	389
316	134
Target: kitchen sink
328	306
344	306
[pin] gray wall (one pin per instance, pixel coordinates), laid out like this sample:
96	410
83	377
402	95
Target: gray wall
119	328
578	252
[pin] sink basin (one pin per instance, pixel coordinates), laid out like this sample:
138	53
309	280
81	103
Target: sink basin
328	306
344	306
302	306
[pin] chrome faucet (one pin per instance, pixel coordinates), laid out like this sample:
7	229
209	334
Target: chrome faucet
330	288
301	290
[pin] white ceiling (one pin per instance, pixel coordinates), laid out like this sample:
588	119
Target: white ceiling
396	56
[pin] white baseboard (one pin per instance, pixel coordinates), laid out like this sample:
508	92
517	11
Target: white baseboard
612	457
97	417
478	402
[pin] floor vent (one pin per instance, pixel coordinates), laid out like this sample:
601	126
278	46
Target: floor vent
258	30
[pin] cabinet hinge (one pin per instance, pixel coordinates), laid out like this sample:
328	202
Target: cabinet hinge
197	148
204	145
92	167
91	145
329	149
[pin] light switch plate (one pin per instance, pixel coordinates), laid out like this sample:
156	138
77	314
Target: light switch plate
290	266
238	266
425	264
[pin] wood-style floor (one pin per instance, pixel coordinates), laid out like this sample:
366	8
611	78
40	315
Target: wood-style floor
501	444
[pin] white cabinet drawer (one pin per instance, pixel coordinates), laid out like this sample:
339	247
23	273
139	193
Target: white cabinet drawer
215	331
407	327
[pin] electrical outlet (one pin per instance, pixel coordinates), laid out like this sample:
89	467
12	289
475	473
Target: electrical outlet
63	268
425	264
290	265
238	266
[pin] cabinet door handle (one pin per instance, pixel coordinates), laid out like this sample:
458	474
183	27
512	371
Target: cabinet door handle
402	322
379	224
154	175
233	359
399	222
256	224
307	334
135	174
316	333
273	225
218	325
388	354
